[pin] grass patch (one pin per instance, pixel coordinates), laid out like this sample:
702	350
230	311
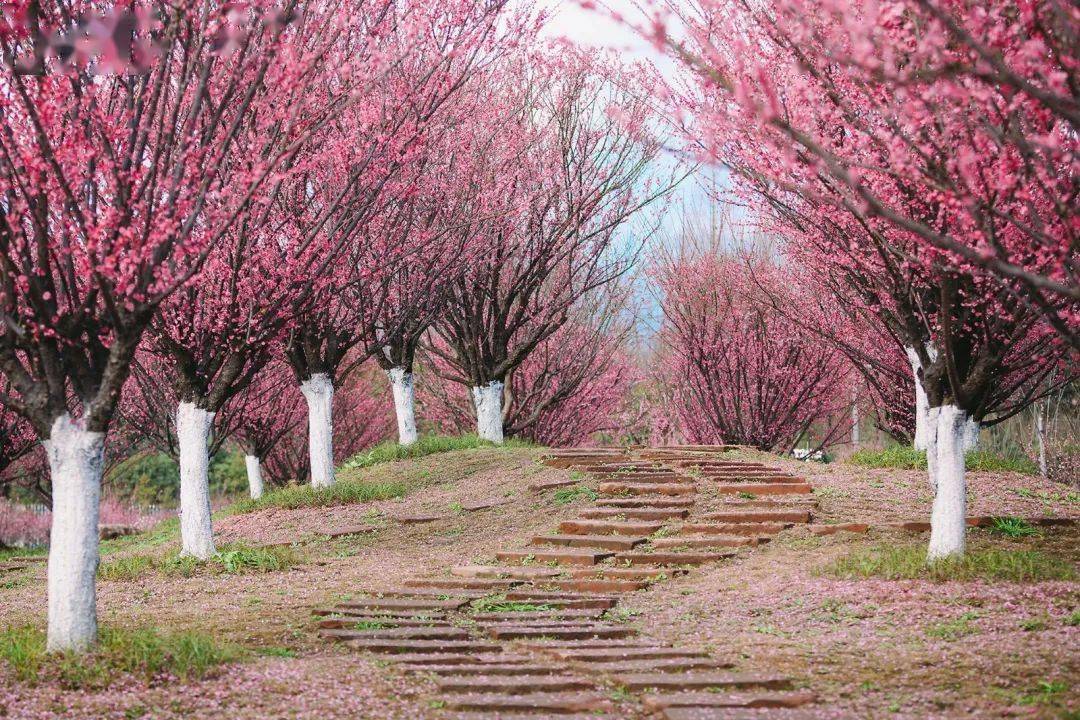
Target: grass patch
344	492
499	604
909	563
230	560
1012	527
951	630
425	445
565	496
143	651
905	457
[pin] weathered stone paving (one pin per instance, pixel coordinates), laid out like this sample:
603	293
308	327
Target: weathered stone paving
537	634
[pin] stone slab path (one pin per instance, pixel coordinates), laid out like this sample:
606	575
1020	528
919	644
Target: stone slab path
537	634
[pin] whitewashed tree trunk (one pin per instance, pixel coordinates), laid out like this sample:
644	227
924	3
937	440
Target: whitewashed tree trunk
948	522
923	428
1041	410
855	439
971	434
401	382
488	401
254	475
193	425
319	393
76	461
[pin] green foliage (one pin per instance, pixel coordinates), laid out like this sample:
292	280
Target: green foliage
909	563
143	651
425	445
131	567
499	604
565	496
905	457
151	478
344	492
1013	527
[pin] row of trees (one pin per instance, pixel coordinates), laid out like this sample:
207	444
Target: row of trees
918	159
217	206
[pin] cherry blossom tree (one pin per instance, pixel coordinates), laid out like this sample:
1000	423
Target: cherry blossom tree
269	410
577	156
121	166
741	372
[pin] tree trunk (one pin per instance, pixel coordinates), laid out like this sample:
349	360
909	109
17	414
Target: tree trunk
319	393
193	426
923	427
488	401
1041	410
855	439
971	434
254	475
401	381
76	461
948	522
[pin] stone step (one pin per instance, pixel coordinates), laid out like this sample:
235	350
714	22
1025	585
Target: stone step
671	558
646	502
463	584
728	700
606	542
414	662
635	513
463	669
349	623
655	665
552	485
739	713
639	682
715	541
432	647
650	479
857	528
405	633
381	614
599	585
526	715
560	614
763	489
760	516
626	488
517	684
561	557
591	644
608	527
419	518
503	572
623	654
624	573
751	529
422	593
404	604
560	703
560	633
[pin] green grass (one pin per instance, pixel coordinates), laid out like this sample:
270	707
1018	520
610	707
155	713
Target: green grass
143	651
425	445
230	560
1013	527
499	604
909	563
565	496
905	457
951	630
344	492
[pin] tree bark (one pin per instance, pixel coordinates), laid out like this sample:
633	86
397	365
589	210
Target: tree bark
193	426
923	427
488	401
1041	410
401	382
319	393
948	521
76	461
254	475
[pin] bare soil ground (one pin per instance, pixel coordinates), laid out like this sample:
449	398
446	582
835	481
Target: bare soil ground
869	648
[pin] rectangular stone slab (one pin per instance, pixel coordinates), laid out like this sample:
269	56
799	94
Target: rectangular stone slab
697	543
626	488
671	558
501	572
741	713
612	654
634	513
542	614
606	542
729	700
486	669
512	684
533	702
600	586
655	665
758	516
646	502
763	489
562	557
466	583
408	633
527	633
433	647
752	529
405	604
608	527
636	682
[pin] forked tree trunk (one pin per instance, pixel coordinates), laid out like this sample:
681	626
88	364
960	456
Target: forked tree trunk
948	522
488	401
254	476
76	460
401	382
319	393
193	426
923	427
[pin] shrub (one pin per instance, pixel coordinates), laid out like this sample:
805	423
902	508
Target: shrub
909	563
142	651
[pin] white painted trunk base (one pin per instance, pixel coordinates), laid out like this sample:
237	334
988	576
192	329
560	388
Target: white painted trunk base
1040	437
76	460
193	426
948	523
855	439
923	427
488	401
401	382
319	393
971	434
254	476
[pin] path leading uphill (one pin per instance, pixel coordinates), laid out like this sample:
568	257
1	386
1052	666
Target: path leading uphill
538	634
